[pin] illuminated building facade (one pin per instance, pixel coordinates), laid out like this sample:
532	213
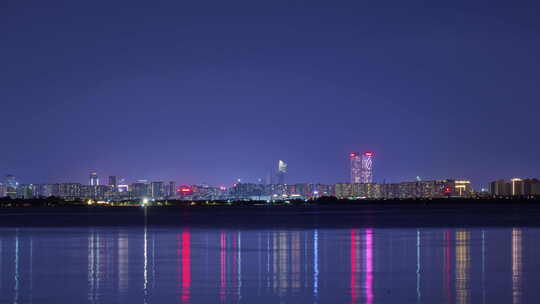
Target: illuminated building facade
366	175
87	191
11	185
282	171
69	191
26	191
515	187
94	179
361	167
499	188
245	191
531	186
171	189
48	190
157	190
323	190
356	168
390	191
113	182
463	188
103	192
140	189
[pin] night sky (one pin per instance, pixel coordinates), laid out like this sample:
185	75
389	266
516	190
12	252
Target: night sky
211	91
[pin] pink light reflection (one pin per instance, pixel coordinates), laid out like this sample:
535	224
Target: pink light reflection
369	266
354	295
223	266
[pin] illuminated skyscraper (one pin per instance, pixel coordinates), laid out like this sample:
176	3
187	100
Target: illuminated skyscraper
157	190
356	168
361	167
11	185
94	179
113	182
282	170
367	168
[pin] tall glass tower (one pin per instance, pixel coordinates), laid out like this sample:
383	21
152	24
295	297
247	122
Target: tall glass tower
367	168
361	167
356	167
94	179
282	170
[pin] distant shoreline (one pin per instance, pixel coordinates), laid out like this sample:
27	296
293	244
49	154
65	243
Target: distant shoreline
322	201
354	214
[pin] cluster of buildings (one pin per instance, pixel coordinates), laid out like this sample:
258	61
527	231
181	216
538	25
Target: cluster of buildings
361	186
515	187
416	189
94	190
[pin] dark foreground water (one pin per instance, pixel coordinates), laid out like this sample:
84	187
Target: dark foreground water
359	264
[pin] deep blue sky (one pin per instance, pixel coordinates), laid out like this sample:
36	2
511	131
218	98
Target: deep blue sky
210	91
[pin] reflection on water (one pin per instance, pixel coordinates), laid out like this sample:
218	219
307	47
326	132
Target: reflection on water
462	267
516	265
361	264
184	265
148	265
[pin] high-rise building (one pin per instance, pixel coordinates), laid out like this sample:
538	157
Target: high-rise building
94	179
531	186
344	190
282	171
26	191
48	190
361	167
367	168
69	191
11	185
171	189
500	188
157	190
140	189
103	192
2	190
517	186
113	182
87	192
356	167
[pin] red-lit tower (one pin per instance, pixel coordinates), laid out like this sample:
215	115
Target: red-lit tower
367	168
356	167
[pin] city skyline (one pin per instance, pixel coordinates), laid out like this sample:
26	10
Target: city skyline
357	174
306	151
211	93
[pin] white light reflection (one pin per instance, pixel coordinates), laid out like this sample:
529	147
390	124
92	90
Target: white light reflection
463	258
145	266
483	266
17	277
316	265
239	266
418	267
123	262
516	265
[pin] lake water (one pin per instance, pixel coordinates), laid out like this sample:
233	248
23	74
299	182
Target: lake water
203	265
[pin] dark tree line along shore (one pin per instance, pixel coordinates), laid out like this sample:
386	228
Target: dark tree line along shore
55	201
